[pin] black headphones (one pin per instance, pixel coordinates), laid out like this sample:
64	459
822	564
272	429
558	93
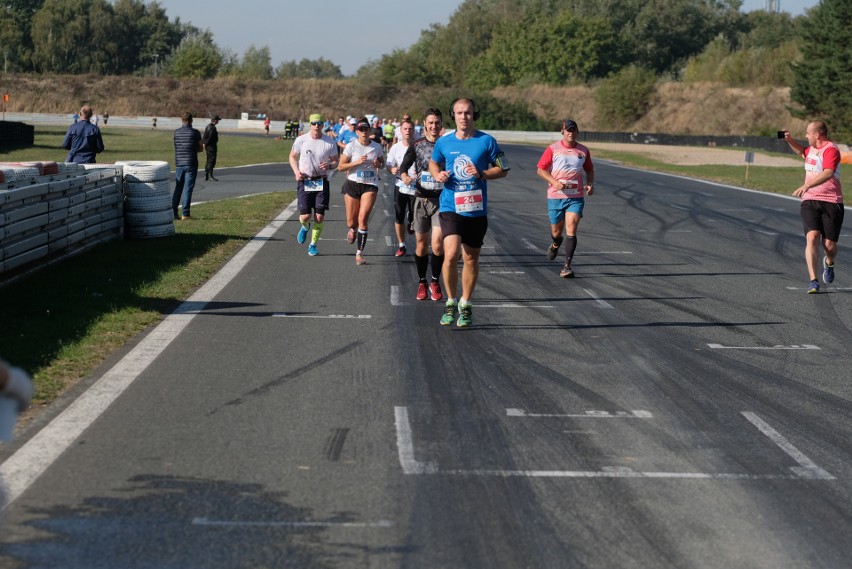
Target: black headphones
473	104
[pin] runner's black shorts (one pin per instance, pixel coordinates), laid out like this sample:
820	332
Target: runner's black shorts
403	203
825	217
313	201
471	229
356	189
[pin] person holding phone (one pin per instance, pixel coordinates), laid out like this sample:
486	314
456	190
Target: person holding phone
822	200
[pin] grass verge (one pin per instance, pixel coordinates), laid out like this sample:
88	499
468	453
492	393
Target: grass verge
142	144
64	320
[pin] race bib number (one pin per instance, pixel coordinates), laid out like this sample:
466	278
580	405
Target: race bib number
408	190
313	185
427	182
469	201
367	176
570	186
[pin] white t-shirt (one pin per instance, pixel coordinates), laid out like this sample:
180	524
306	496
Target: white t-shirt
312	152
395	156
364	173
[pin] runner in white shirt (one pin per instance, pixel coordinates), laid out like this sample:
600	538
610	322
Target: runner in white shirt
361	160
403	194
311	158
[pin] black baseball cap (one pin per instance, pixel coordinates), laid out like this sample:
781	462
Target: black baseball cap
362	122
568	124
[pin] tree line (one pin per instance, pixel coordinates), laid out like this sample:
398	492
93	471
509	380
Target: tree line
620	47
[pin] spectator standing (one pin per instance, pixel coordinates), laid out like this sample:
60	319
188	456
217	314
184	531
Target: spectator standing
822	200
83	139
211	144
266	124
187	146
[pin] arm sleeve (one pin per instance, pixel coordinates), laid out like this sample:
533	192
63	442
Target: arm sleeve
409	159
546	160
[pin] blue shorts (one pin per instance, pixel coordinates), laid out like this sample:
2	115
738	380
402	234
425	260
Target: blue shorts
556	208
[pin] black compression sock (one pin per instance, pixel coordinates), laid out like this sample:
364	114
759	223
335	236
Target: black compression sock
570	247
422	263
437	264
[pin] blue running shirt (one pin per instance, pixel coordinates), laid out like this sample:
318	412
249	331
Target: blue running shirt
464	194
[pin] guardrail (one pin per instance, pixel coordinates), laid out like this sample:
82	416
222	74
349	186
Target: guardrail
51	216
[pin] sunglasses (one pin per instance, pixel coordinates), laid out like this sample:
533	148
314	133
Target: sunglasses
316	123
363	128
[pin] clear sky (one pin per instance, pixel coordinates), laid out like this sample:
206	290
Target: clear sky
347	33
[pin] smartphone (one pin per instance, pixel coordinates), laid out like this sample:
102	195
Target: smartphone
780	134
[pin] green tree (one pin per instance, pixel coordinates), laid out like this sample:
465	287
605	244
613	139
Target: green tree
74	36
256	63
309	69
16	44
196	56
823	78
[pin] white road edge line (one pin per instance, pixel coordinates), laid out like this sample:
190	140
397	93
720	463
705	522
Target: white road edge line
29	462
778	347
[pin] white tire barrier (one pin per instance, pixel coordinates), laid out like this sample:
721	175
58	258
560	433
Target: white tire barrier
148	204
153	203
150	231
146	218
144	171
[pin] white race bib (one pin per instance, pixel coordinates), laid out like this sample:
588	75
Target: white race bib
468	201
314	185
427	182
366	176
407	190
570	186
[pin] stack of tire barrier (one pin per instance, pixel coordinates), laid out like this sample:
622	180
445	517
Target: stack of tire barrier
49	210
148	200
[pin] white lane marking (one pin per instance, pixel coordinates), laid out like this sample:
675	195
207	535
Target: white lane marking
320	316
764	232
394	296
531	245
665	230
638	414
506	272
388	241
405	445
387	213
512	305
602	303
834	288
807	468
674	206
250	524
29	462
778	347
589	253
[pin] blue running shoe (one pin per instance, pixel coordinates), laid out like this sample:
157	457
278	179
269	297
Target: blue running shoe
303	234
312	250
813	287
827	271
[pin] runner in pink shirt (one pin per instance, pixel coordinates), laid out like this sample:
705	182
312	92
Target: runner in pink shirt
566	166
822	200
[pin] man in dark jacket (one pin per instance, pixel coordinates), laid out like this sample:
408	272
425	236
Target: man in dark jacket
187	146
211	142
83	139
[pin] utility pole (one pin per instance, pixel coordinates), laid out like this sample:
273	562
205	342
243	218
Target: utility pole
156	58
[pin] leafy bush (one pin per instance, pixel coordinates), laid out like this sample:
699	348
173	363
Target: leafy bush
624	97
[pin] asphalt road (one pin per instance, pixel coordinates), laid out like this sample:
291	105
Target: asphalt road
681	403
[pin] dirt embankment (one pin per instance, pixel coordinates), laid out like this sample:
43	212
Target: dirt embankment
676	108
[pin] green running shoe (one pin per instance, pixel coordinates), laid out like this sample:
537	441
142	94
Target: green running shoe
451	310
465	316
